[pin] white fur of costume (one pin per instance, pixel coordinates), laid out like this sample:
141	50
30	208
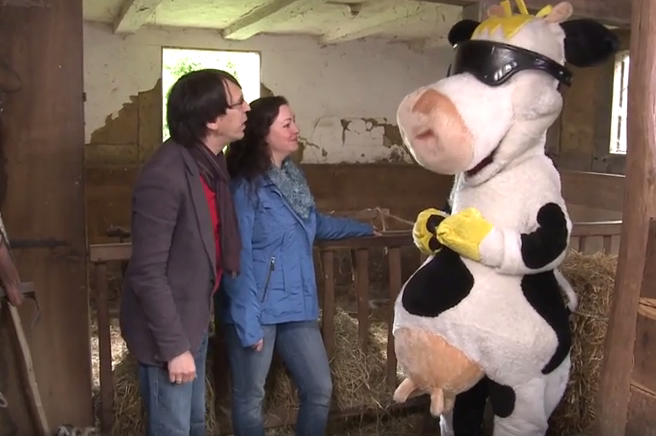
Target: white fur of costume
488	301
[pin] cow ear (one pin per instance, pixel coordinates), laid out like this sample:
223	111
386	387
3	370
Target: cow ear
462	31
588	43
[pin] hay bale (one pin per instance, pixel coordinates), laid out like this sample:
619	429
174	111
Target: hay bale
593	280
415	424
358	378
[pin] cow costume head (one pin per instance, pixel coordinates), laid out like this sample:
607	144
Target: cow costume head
487	305
502	92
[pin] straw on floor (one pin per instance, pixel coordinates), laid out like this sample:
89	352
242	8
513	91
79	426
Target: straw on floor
593	279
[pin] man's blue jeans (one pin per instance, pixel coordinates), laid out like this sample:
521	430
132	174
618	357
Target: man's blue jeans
301	347
174	409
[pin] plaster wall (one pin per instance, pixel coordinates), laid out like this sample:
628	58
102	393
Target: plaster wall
345	96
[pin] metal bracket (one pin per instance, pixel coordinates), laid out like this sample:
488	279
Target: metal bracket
28	290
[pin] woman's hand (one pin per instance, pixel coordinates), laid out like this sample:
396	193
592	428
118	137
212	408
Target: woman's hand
377	232
258	346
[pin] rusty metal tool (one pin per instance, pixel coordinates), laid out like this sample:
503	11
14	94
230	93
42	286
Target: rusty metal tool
22	348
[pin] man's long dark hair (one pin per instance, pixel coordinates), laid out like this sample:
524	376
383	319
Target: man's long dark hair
250	157
197	98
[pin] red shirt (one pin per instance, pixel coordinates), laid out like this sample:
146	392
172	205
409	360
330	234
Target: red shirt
214	215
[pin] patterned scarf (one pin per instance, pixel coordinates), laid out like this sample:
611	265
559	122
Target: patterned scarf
291	182
213	169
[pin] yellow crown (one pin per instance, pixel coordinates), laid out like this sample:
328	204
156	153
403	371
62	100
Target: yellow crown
511	23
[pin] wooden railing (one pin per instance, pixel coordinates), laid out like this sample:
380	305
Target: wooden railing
603	236
392	241
585	236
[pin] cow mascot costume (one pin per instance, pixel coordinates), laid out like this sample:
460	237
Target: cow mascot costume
487	314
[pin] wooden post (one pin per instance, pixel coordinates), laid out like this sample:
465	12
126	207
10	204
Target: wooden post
626	400
43	121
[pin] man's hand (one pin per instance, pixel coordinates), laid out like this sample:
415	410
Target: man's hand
258	346
182	369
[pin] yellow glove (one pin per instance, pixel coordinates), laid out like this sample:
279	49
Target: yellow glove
423	232
464	232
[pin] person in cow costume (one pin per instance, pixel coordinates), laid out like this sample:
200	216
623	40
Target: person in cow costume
485	315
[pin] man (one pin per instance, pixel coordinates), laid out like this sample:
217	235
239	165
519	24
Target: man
184	236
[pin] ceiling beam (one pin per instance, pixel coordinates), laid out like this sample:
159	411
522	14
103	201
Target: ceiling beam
260	19
474	11
423	45
134	14
364	27
610	12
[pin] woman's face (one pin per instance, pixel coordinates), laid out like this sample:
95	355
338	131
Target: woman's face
283	133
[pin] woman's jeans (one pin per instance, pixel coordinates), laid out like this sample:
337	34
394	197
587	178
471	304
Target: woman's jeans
301	347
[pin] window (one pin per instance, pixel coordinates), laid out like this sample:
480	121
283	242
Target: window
245	66
620	92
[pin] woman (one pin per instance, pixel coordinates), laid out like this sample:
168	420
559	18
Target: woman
273	301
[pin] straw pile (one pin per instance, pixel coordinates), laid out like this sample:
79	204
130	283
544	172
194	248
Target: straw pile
593	279
358	378
416	425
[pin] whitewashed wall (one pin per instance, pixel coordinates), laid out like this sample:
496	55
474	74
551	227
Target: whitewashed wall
344	96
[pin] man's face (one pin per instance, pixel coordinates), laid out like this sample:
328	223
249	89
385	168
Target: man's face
231	125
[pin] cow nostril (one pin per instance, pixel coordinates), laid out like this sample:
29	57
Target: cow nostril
425	134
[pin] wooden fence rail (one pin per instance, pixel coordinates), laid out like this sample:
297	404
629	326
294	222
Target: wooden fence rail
585	236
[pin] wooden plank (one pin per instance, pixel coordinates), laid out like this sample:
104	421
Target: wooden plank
644	370
638	233
362	293
395	284
355	414
22	350
608	244
394	238
105	350
44	140
611	12
25	362
600	228
597	190
328	306
641	419
110	252
134	14
263	17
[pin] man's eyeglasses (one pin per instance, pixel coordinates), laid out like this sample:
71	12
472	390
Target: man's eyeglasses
239	103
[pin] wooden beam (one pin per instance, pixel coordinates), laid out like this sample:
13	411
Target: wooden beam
134	14
370	23
625	406
43	140
429	44
262	18
475	11
610	12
